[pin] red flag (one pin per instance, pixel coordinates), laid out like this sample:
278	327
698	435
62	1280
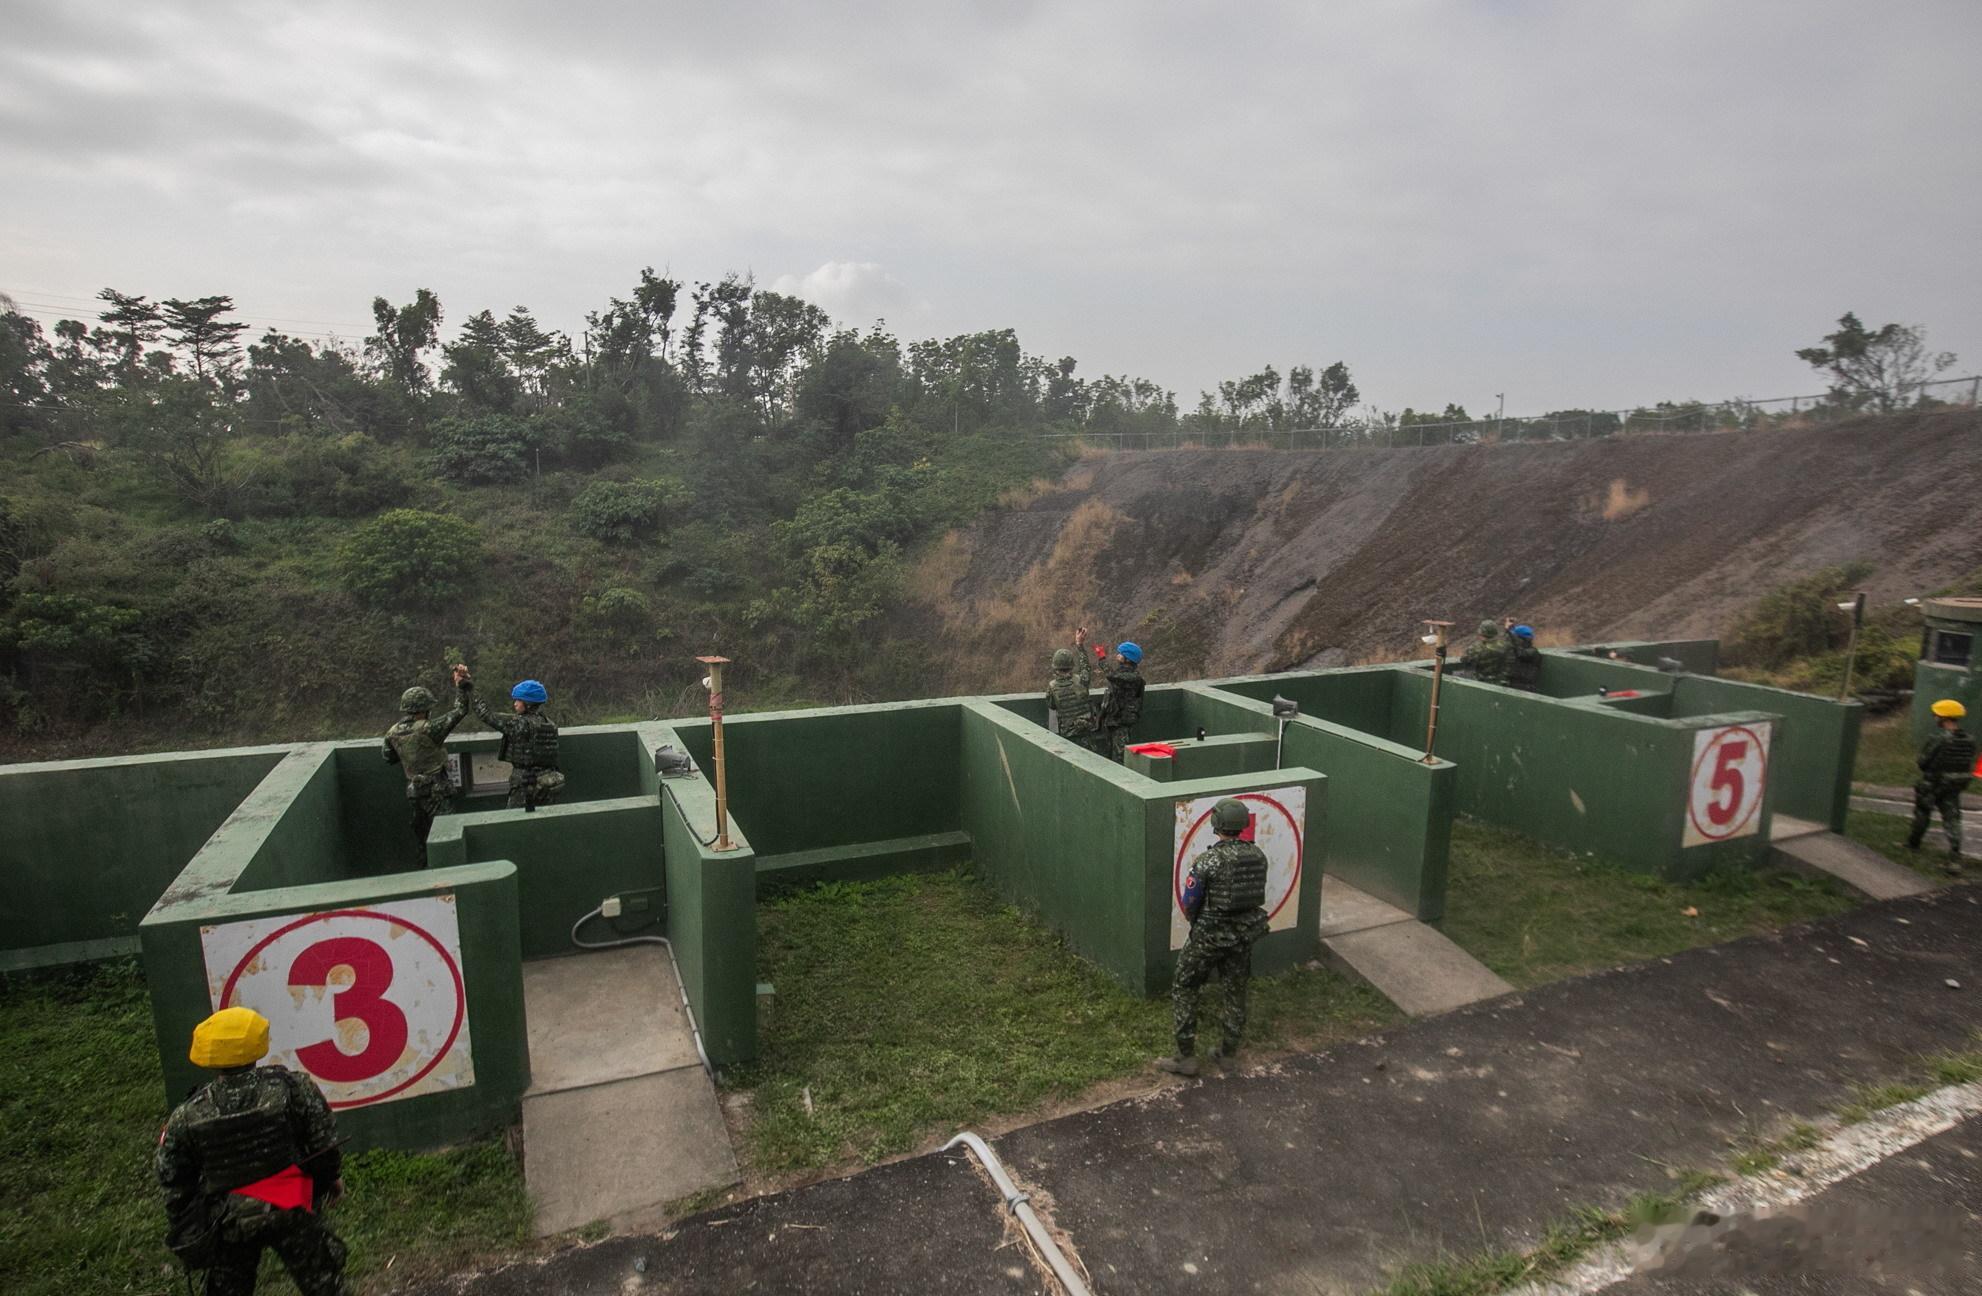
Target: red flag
288	1189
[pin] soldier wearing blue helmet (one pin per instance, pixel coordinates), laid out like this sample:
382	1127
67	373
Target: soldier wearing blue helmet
1524	660
1122	706
529	742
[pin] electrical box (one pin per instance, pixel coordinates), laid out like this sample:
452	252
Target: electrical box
630	911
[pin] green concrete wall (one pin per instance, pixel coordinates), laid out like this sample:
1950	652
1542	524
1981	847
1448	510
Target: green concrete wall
1208	757
1577	674
712	910
840	777
1812	752
89	846
1391	832
1356	697
1698	656
1579	775
569	859
486	908
1087	844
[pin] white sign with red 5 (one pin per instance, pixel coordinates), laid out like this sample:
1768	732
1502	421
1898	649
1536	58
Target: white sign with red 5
1730	773
370	1001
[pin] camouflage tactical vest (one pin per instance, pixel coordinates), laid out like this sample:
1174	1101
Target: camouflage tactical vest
1070	698
1954	760
420	753
240	1126
1123	705
1236	887
530	742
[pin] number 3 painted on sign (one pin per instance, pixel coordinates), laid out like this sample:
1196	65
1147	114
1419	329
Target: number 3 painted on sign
362	1001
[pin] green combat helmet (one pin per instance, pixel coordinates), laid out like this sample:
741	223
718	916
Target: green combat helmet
416	699
1063	659
1230	816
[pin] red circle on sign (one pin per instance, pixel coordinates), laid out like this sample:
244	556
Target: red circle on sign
460	990
1761	755
1293	883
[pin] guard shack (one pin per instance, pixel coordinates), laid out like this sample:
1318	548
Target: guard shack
1948	665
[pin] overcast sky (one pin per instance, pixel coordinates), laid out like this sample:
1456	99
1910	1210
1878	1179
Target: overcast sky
1574	203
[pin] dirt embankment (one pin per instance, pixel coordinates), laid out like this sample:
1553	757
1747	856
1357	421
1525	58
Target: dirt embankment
1228	561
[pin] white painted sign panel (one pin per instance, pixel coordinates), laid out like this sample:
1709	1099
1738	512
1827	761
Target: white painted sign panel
369	1001
1730	773
1279	827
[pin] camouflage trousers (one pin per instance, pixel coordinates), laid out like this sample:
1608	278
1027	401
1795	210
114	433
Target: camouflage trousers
1223	951
1111	741
313	1255
1930	795
528	794
429	794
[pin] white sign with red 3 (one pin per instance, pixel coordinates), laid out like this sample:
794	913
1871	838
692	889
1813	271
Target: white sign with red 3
369	1001
1279	820
1730	773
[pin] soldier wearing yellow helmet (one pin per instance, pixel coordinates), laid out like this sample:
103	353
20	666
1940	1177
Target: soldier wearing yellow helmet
249	1161
1947	764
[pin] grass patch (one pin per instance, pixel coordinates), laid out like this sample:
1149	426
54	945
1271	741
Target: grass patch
1886	752
81	1103
1534	914
1565	1242
918	1004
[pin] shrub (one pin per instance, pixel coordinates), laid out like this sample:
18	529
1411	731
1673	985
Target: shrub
309	476
495	448
408	556
1796	620
622	512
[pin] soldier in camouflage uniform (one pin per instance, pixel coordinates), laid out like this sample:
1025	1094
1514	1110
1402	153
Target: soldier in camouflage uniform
250	1161
529	742
1947	764
1225	897
417	745
1524	660
1067	695
1122	707
1487	658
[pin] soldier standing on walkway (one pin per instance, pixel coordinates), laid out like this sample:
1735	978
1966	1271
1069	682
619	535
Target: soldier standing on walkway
1067	692
1524	660
529	742
1122	707
1225	899
1947	764
417	745
250	1161
1487	658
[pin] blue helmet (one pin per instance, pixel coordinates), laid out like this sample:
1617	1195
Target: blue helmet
530	691
1131	652
1524	632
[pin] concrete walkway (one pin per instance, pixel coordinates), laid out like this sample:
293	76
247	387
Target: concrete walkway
620	1117
1412	965
1324	1172
1812	848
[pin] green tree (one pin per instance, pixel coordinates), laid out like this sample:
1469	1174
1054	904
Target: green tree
210	342
404	334
407	556
492	449
131	324
477	366
623	512
1885	368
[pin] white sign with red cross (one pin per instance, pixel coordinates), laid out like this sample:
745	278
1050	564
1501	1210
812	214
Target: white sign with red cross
1730	773
1278	827
369	1001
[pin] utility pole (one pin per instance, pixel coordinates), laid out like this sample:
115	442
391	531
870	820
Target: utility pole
714	683
1856	607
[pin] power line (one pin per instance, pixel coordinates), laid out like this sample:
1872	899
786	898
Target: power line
98	302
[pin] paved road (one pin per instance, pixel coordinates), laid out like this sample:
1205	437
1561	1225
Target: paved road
1325	1172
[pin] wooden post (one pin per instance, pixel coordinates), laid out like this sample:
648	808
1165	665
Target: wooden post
715	682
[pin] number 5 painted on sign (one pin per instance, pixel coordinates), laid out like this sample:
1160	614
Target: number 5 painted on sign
1730	775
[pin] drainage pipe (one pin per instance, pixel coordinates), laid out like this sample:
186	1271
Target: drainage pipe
679	984
1019	1204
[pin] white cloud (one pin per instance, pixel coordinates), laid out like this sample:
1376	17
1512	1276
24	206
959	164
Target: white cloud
854	293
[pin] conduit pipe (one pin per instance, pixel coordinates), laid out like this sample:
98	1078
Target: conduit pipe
679	984
1019	1204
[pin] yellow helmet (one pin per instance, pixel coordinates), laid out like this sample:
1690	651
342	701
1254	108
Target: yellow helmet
1949	709
232	1037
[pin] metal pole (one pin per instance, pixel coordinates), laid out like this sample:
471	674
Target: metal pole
1438	635
715	665
1851	649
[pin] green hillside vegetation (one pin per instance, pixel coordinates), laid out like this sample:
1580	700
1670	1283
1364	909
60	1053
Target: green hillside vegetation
202	540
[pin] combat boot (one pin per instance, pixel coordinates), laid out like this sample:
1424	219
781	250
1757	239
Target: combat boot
1953	867
1226	1058
1183	1065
